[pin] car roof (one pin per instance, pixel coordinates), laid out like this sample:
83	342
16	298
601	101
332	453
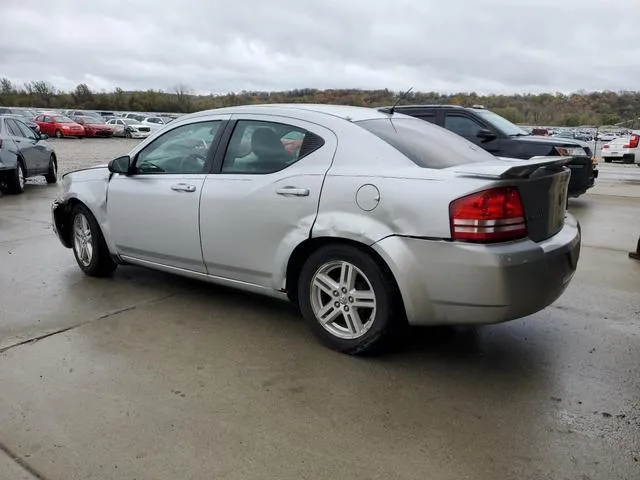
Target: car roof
416	107
345	112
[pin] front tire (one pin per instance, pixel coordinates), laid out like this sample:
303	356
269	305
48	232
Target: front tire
607	160
52	174
59	134
89	247
17	178
349	300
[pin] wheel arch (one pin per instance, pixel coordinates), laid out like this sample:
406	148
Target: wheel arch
306	248
62	218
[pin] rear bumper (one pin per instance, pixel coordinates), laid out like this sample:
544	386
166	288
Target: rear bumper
73	133
625	157
445	282
139	134
583	175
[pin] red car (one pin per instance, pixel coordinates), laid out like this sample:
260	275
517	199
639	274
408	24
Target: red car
59	126
94	127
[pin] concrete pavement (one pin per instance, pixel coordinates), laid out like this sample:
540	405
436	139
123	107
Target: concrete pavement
150	376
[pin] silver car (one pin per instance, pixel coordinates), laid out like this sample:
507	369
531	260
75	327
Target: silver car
365	219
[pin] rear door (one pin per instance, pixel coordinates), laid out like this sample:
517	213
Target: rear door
262	198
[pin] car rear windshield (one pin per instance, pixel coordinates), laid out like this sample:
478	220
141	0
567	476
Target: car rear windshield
425	144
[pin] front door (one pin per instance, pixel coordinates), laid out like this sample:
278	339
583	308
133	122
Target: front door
26	147
152	214
263	199
39	152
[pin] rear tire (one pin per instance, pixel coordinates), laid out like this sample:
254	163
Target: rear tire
59	134
360	314
17	179
89	246
52	174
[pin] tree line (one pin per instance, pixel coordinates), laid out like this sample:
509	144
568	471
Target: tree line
581	108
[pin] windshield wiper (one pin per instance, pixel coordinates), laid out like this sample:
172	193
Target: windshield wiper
519	135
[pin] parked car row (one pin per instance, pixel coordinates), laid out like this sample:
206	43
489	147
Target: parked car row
87	123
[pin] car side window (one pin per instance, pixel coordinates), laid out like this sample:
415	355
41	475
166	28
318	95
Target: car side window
47	119
26	131
13	127
463	126
427	117
258	147
181	150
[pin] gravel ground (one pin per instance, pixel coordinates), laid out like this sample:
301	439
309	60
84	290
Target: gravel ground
76	153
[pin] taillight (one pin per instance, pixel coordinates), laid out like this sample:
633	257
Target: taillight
605	146
633	142
494	215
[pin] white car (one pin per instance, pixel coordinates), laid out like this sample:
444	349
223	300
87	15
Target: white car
155	123
129	128
606	136
624	149
365	219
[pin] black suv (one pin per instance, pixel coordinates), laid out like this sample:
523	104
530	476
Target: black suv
499	136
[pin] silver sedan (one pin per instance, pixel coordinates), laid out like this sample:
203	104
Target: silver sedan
366	219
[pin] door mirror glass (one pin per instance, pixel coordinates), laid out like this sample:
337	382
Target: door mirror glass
486	134
120	165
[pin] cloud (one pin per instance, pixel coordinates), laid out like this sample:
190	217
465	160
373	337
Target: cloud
497	46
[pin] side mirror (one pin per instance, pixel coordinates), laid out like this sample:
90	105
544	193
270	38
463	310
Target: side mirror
120	165
486	134
43	136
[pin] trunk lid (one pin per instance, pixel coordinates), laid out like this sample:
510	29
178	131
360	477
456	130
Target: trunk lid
542	182
620	141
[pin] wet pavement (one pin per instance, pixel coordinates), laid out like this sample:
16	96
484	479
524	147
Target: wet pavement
150	376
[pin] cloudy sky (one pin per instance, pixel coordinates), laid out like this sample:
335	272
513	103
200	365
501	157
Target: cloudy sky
214	46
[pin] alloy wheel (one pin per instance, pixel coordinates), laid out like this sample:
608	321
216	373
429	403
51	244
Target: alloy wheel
82	239
343	300
21	180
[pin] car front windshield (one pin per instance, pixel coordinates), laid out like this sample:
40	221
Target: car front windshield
130	121
63	120
501	123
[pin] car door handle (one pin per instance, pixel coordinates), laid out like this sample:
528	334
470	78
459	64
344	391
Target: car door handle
293	192
183	187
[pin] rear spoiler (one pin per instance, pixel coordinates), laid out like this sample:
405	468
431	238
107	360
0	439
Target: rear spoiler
511	168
